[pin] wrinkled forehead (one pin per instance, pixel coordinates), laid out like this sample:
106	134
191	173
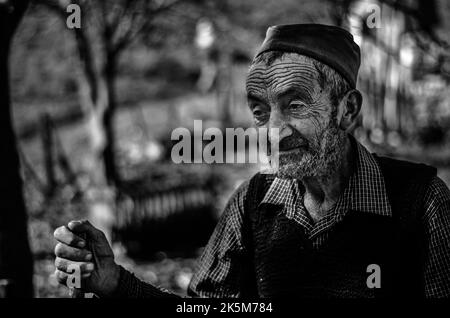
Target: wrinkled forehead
289	72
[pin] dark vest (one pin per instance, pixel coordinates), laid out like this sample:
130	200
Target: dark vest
283	263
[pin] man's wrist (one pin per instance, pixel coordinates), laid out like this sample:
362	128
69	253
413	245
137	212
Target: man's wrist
129	286
113	282
116	278
126	284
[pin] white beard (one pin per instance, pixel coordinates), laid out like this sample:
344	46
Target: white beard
319	160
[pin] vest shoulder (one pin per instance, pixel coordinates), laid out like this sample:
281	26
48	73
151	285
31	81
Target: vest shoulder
258	185
405	170
251	187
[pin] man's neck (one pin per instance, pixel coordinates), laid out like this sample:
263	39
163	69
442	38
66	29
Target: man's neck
322	192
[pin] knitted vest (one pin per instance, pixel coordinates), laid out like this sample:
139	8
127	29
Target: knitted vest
283	263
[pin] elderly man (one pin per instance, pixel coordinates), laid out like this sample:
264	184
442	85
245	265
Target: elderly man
335	221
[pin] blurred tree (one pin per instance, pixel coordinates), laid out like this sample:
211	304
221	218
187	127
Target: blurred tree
16	264
406	49
107	29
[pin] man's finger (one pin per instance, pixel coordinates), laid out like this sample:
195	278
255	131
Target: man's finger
86	275
62	277
64	235
67	266
72	253
84	226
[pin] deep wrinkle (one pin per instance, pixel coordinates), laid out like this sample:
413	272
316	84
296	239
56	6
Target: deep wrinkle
284	83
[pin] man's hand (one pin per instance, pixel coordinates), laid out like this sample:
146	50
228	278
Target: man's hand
99	272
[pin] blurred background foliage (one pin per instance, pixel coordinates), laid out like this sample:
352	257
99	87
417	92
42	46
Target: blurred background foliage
94	108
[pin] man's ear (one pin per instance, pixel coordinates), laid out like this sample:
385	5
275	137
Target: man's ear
351	106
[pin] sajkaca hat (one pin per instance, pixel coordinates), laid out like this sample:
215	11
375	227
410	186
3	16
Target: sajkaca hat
328	44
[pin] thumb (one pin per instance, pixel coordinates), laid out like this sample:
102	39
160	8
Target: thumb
97	241
93	234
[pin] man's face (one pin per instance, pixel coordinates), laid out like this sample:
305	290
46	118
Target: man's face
287	95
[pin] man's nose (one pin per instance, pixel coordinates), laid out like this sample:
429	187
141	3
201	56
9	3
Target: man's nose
279	123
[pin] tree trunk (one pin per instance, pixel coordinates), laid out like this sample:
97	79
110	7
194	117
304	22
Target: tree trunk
224	85
109	158
99	116
16	264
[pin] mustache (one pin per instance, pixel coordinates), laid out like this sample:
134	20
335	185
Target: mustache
293	141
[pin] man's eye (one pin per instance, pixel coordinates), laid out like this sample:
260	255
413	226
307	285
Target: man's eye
260	115
296	106
258	112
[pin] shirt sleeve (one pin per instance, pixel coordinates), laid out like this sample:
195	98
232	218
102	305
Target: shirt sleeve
437	230
220	267
132	287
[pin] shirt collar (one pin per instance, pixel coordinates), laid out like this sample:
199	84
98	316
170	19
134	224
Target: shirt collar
365	192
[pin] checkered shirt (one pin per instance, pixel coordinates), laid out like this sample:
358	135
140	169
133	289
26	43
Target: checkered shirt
219	269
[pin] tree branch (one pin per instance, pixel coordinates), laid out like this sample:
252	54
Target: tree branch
83	45
148	13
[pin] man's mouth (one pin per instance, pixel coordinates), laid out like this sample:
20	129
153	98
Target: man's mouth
291	150
287	146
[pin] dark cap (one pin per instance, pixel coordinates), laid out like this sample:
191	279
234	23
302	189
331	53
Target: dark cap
331	45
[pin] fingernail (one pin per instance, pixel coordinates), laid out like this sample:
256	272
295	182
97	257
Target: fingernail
81	244
88	257
86	275
90	267
72	224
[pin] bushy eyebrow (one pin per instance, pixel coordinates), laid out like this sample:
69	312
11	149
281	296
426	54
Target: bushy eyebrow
254	97
295	92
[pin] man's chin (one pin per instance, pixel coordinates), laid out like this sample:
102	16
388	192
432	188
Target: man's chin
290	171
291	165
